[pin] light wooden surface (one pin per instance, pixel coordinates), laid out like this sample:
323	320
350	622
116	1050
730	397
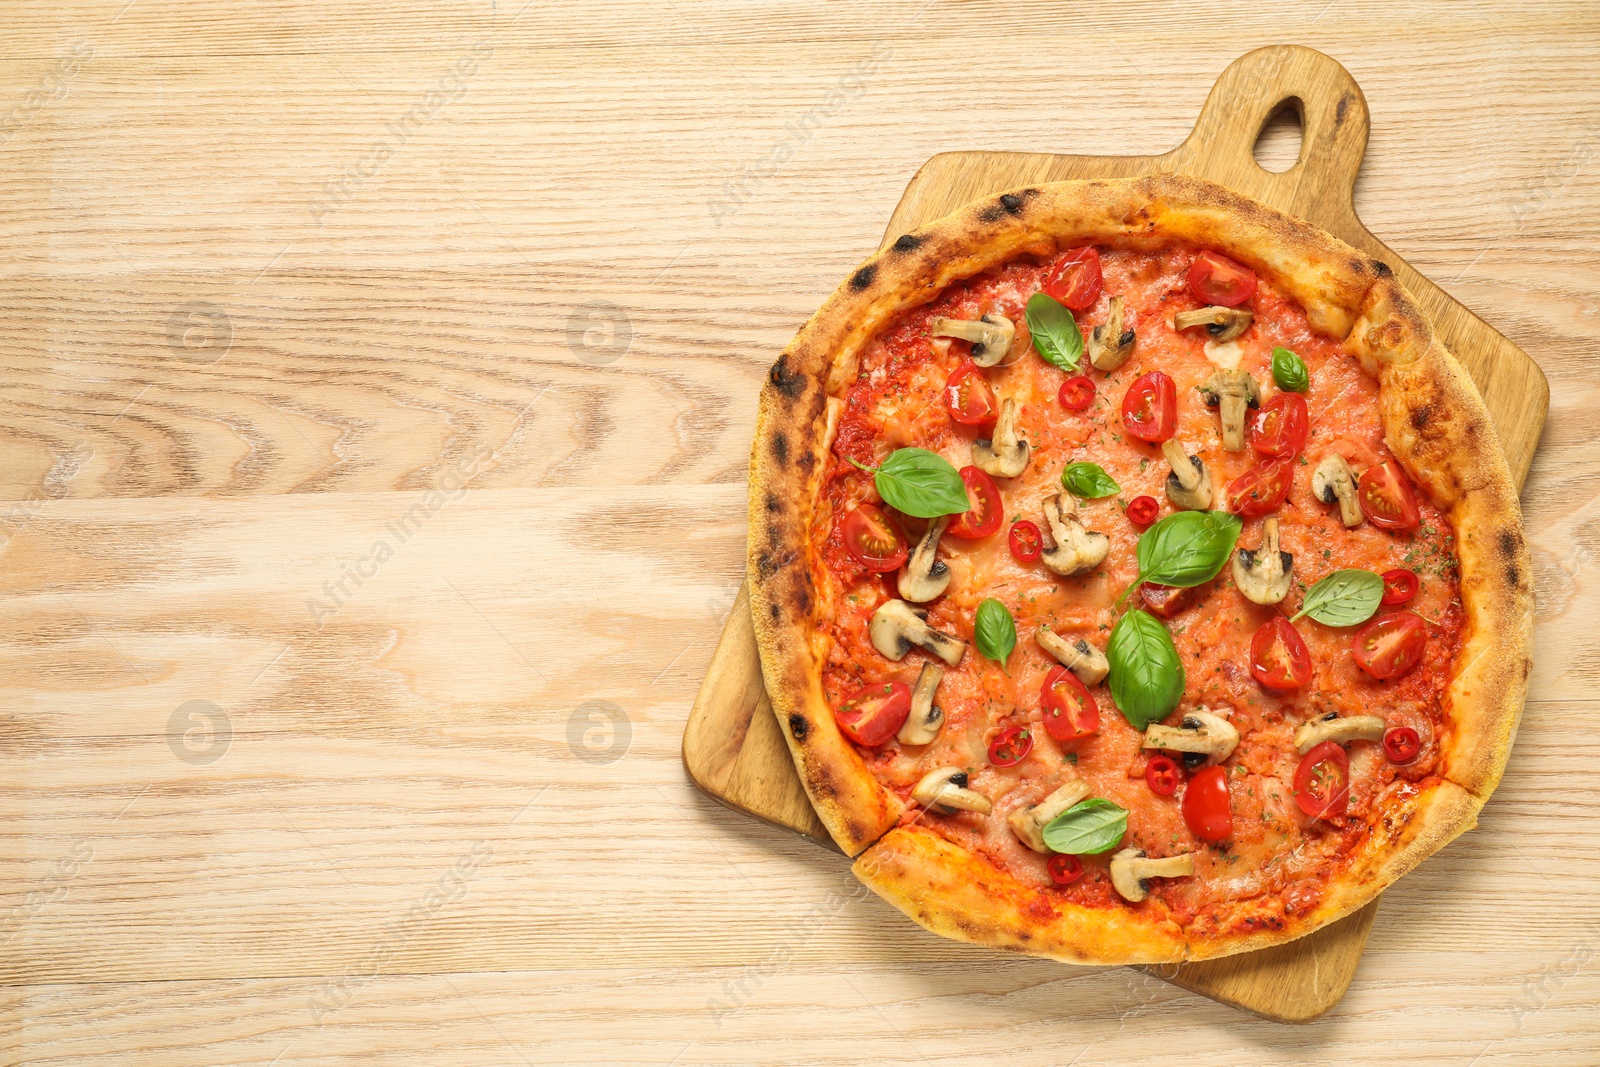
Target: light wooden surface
732	747
399	855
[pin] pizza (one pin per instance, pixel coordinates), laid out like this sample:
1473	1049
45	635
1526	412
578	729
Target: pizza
1136	576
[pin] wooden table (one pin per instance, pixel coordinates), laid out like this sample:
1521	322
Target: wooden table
378	384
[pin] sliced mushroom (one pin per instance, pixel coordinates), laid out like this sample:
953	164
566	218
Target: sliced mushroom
1073	548
1110	345
1233	391
925	576
944	789
1005	455
896	626
1334	481
1131	872
1076	655
1029	823
1264	574
1334	727
1223	324
922	726
1205	736
1189	484
990	336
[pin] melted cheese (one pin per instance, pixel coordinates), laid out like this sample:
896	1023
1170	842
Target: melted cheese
1225	354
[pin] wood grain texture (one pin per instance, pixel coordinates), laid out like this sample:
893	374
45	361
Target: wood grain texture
733	749
313	896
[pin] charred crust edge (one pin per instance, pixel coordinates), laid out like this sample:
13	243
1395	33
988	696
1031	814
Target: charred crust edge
908	242
1510	543
791	383
1007	204
768	564
798	726
863	277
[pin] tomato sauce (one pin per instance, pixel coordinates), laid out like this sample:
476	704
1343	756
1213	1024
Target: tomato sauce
1278	857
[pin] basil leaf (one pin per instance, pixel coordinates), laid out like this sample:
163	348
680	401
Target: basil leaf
1187	548
995	631
1087	828
1147	677
1344	598
1289	371
920	483
1055	331
1089	481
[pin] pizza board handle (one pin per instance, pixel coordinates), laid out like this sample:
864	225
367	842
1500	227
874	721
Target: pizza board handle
1256	87
1320	187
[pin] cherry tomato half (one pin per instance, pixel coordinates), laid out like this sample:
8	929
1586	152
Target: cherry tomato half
872	539
1215	279
1161	775
1026	542
1165	601
1075	280
1064	869
1322	782
1010	746
1390	645
1387	498
984	517
1401	744
1077	393
1142	510
1205	805
1069	709
1278	655
1278	428
1262	489
968	398
1399	586
1150	408
874	713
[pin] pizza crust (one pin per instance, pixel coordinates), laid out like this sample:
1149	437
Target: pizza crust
1435	423
953	892
961	895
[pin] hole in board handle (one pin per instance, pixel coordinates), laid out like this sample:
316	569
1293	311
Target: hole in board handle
1281	141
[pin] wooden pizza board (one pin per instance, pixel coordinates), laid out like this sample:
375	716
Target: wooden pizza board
732	746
